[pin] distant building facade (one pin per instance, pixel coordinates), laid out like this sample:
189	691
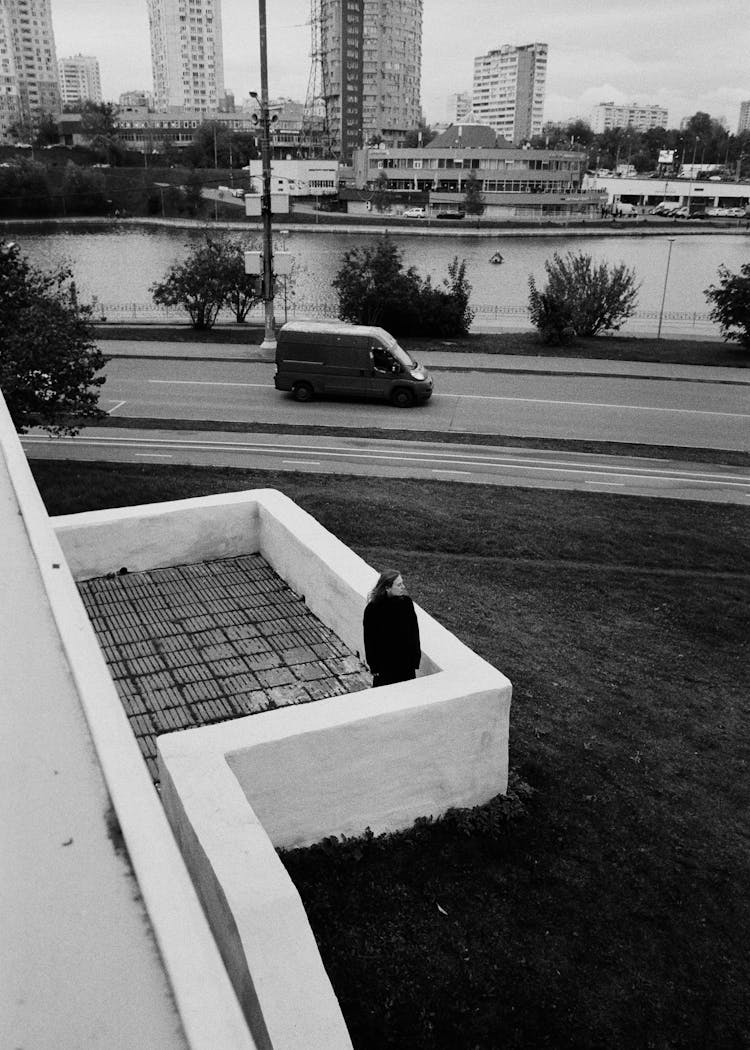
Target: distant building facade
744	121
514	182
508	90
458	107
29	88
187	55
80	80
608	115
371	56
136	99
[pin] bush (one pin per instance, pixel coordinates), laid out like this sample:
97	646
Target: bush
731	304
373	288
212	276
582	296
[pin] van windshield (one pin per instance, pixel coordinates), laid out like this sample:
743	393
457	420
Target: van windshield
404	359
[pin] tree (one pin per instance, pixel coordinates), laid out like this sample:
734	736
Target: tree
99	127
83	189
373	288
597	297
194	192
380	197
212	276
48	360
731	304
473	196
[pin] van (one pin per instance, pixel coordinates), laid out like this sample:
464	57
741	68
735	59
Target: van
316	358
620	208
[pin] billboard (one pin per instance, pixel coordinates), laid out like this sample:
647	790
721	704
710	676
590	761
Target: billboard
666	156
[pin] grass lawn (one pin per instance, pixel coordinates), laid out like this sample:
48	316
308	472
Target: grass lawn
615	913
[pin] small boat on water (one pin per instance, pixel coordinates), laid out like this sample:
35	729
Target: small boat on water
496	258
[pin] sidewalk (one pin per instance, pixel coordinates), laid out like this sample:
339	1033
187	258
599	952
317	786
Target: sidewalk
444	361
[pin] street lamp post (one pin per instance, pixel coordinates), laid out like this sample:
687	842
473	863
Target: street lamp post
269	340
664	292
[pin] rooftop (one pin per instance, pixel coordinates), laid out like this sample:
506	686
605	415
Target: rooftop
192	645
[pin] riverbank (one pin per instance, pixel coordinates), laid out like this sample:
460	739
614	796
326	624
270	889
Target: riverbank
348	224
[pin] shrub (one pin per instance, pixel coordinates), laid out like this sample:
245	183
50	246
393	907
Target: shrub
731	304
553	318
212	276
598	297
373	288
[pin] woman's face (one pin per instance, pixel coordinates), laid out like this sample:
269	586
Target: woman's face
397	588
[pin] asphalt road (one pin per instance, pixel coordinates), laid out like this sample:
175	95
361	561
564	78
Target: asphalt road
655	411
410	459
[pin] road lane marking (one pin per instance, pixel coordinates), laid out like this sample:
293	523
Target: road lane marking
115	407
202	382
302	462
481	463
493	397
444	470
596	404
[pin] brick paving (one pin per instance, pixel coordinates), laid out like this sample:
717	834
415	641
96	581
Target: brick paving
191	645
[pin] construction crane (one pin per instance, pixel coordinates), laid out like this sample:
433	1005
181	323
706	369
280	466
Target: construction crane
315	137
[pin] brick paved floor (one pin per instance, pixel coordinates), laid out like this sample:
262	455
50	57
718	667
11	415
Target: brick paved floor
194	644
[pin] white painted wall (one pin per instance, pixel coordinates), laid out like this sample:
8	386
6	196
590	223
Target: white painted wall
91	955
377	758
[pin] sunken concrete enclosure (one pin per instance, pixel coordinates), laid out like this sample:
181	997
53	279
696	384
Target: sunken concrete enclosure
236	790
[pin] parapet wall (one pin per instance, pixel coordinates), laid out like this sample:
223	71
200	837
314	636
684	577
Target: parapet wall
234	791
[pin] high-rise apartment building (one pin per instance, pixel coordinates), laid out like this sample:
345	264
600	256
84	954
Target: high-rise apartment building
80	80
744	121
508	91
28	66
458	107
187	57
371	56
607	115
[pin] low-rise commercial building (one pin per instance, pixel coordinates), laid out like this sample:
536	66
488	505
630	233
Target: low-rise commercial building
514	183
648	192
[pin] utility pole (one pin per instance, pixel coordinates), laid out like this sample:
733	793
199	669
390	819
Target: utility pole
269	341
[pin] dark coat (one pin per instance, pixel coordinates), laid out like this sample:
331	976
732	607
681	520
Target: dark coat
391	631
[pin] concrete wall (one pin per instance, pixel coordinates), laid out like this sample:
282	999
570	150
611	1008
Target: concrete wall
100	948
377	758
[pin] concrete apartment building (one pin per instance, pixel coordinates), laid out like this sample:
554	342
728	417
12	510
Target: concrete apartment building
608	115
28	66
508	90
371	57
744	122
80	80
186	54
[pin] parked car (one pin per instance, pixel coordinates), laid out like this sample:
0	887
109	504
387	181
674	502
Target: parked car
665	208
449	215
413	213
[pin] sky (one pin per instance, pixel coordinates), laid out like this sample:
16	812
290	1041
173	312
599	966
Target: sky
686	56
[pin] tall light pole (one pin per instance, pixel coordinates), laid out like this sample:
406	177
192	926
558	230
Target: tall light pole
664	293
269	340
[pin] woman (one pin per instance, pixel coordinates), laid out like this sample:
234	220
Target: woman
392	647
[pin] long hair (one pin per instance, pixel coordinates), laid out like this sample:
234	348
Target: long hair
385	580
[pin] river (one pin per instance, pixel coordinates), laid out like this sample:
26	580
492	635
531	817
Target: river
116	265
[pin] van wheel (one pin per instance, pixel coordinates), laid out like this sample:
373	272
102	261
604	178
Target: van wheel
402	398
302	392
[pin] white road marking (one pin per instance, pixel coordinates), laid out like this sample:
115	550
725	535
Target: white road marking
597	404
202	382
115	407
495	397
456	459
303	462
154	455
438	470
